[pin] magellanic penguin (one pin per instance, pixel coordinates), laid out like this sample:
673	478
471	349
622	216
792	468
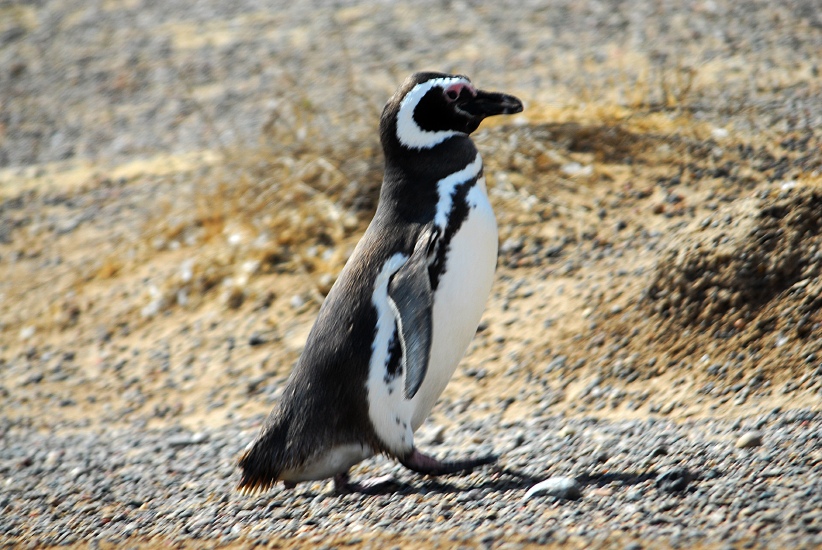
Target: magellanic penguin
406	305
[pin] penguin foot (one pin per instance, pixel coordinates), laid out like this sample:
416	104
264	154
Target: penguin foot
424	464
372	486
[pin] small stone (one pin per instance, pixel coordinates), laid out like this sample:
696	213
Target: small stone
667	408
234	297
52	460
256	339
255	383
33	378
749	440
558	486
674	480
576	169
719	133
433	435
634	495
186	440
567	431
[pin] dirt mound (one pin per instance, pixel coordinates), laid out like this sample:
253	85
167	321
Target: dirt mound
748	256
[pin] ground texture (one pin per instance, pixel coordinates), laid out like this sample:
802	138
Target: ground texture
180	183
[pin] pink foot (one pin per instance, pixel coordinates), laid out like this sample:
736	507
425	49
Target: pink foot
424	464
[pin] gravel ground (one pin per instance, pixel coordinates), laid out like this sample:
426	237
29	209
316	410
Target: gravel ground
134	365
755	483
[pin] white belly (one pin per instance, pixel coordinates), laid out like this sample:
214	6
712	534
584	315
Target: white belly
460	299
332	462
458	305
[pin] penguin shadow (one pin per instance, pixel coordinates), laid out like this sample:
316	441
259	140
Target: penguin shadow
499	479
509	479
623	478
504	479
672	480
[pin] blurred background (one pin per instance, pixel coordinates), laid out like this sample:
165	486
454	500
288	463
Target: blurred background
182	181
100	80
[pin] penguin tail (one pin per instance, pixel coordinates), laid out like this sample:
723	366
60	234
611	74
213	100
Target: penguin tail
254	478
261	463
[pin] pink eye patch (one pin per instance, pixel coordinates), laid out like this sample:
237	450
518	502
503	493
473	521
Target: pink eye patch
453	91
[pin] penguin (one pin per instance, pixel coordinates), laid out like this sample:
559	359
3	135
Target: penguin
402	312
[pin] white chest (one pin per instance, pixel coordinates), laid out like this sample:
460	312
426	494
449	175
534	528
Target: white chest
460	298
458	303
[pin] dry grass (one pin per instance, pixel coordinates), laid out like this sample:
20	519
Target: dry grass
258	235
297	202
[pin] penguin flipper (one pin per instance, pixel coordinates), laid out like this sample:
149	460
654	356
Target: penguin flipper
412	298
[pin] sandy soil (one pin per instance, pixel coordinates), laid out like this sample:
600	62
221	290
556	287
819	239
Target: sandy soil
659	204
116	311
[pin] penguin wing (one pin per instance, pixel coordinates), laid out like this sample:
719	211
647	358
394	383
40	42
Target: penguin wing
413	301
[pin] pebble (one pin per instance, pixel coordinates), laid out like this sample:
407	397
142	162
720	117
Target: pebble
749	440
431	435
574	169
673	480
256	339
186	440
559	486
179	485
566	431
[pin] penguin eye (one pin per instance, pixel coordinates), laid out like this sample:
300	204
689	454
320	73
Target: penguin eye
452	94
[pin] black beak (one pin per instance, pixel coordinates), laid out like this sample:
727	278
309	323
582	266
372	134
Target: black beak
490	103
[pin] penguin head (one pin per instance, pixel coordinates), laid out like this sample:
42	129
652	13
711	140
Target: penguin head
431	107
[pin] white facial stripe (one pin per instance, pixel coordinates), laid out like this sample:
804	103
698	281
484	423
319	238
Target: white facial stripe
445	189
408	131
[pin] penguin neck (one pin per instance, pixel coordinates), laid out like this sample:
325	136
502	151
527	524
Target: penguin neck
412	175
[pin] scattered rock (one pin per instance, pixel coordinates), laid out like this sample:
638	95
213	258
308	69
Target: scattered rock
186	440
674	480
256	339
431	435
234	297
566	431
749	440
575	169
